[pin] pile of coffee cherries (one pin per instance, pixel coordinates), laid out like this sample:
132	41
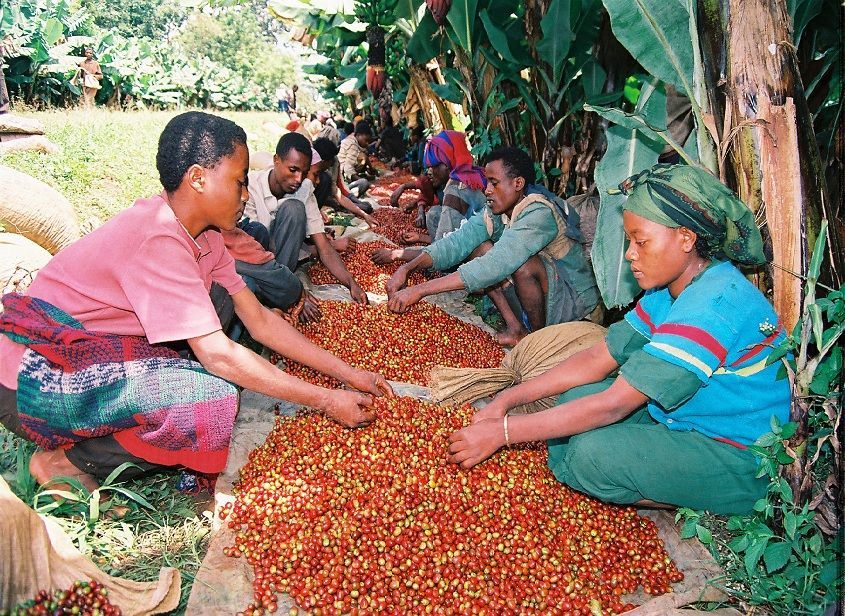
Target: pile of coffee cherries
400	347
393	221
370	276
383	187
376	521
83	598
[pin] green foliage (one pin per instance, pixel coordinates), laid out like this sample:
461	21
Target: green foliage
149	19
235	40
657	35
777	555
230	63
630	150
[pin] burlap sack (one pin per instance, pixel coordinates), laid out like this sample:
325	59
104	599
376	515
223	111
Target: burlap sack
534	355
33	209
20	260
36	554
10	123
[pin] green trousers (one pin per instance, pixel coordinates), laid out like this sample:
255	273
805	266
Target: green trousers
640	459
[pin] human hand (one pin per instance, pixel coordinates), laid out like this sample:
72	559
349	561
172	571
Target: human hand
493	410
371	222
371	383
394	198
401	301
359	296
351	409
310	310
409	237
383	256
397	281
343	244
419	221
475	443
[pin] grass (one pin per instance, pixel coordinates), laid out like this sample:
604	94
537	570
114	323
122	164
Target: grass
107	160
163	527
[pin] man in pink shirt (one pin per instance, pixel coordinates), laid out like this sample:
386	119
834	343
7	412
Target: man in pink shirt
87	368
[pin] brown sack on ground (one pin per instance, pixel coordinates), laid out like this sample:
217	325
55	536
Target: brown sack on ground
34	209
534	355
10	123
20	260
36	554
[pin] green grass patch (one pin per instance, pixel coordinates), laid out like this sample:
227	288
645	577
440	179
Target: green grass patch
107	158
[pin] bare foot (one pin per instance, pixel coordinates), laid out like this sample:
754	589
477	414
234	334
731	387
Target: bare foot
509	338
47	465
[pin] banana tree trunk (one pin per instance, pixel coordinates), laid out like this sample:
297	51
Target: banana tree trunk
433	109
775	160
774	155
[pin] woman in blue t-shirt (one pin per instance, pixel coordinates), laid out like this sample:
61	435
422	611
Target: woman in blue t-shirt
693	388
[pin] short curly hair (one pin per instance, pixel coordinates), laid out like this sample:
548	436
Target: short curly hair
326	149
194	138
293	141
516	161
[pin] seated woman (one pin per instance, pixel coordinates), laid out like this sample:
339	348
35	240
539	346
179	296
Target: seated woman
451	168
693	388
525	237
87	365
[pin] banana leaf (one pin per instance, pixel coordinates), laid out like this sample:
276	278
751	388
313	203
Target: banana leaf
557	36
629	151
657	34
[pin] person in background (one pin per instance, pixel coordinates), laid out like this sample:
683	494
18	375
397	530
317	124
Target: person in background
413	159
90	366
354	165
282	200
521	236
282	99
663	411
331	192
391	144
89	75
451	169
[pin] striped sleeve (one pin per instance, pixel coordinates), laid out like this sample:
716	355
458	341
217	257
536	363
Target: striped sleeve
699	347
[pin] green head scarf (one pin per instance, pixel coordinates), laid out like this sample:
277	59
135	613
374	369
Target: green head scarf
686	196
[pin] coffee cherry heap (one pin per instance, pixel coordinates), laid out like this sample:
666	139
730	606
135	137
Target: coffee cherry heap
401	347
83	598
384	186
370	276
375	521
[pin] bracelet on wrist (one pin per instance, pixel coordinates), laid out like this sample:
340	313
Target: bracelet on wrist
505	427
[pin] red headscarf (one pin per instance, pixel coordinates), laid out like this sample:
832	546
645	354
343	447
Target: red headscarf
450	147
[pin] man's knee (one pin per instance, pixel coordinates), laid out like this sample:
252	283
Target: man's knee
532	271
291	212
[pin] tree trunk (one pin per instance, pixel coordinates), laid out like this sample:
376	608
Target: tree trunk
775	159
774	156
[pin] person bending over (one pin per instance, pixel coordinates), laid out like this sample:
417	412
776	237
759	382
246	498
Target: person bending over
281	199
89	367
662	412
525	238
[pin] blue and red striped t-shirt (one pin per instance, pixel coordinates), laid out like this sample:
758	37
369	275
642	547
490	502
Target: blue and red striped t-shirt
722	329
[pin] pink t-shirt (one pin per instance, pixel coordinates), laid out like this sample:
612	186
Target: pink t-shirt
140	274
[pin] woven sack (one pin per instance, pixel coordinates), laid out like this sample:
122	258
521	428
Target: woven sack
33	209
534	355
